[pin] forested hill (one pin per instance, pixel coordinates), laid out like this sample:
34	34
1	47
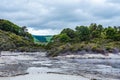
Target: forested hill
8	26
13	37
42	38
93	38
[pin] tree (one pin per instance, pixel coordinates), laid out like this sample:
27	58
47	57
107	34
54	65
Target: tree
110	32
93	27
116	37
95	30
61	38
24	28
64	38
83	33
69	32
119	29
100	28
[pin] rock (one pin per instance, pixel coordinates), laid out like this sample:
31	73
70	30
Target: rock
13	69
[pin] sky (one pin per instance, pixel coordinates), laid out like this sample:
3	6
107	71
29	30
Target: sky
49	17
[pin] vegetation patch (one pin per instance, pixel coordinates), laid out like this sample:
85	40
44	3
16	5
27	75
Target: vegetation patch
15	38
93	38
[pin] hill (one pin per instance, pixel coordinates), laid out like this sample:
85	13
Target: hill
14	37
8	26
86	39
42	39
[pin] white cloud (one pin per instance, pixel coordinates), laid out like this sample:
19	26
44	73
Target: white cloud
43	31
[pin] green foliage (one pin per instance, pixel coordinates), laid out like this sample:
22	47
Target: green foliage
13	42
83	33
93	38
15	38
10	40
95	30
69	32
110	33
64	38
6	25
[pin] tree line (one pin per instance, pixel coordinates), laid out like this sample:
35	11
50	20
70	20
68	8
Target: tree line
88	33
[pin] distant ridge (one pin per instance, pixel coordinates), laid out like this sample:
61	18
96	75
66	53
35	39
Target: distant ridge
42	38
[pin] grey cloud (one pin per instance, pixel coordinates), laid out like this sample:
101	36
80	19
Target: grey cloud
58	14
114	1
106	12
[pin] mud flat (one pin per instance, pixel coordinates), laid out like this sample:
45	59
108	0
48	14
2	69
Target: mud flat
39	74
36	66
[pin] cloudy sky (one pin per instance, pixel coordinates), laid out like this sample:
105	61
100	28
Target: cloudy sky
46	17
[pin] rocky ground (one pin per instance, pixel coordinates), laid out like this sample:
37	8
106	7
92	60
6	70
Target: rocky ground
87	67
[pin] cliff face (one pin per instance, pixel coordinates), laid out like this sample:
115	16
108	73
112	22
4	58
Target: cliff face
13	36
